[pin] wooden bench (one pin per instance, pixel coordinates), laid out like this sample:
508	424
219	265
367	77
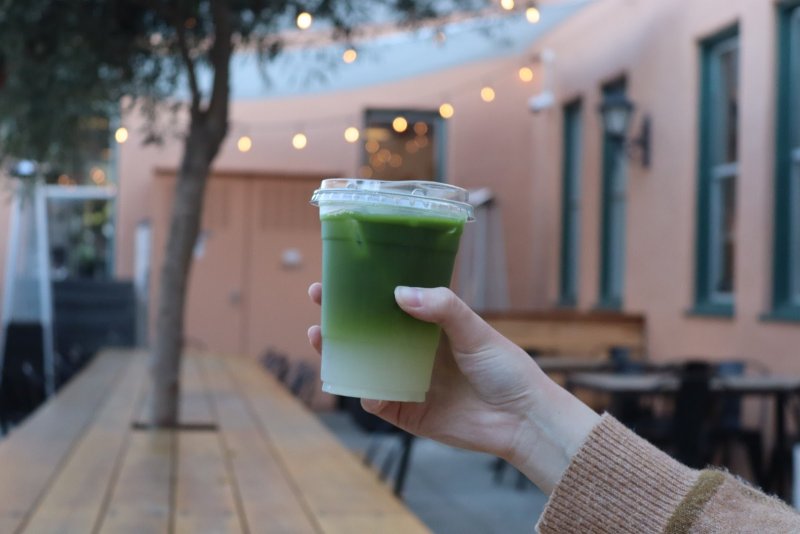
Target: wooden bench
251	459
573	333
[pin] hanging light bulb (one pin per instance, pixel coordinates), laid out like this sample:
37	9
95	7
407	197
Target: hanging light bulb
304	20
508	5
526	74
351	134
349	55
400	124
533	14
244	143
299	141
121	135
446	110
487	94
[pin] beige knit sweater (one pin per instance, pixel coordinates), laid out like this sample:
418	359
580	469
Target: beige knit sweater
619	483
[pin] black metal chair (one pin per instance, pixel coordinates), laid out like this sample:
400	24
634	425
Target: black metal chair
730	430
685	433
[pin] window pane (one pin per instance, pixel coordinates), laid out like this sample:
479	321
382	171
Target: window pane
81	234
795	232
571	203
723	239
408	154
617	227
728	104
794	81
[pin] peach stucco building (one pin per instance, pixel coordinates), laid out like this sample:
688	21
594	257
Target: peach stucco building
688	241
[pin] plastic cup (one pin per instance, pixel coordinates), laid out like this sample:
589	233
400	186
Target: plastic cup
378	235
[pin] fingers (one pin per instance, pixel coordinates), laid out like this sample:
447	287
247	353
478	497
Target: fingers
468	333
315	338
315	293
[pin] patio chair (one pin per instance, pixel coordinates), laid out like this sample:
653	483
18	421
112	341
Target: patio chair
277	364
729	429
686	432
396	443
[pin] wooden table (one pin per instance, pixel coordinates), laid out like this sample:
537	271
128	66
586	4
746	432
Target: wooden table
781	387
250	459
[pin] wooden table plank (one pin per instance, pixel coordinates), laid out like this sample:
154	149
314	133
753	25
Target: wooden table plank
194	408
337	488
76	497
33	453
141	498
204	500
268	499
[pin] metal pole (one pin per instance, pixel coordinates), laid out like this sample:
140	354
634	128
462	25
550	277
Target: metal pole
45	290
8	285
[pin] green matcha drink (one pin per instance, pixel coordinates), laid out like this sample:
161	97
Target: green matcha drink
376	236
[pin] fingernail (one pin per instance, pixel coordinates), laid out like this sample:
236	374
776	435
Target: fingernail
371	405
409	296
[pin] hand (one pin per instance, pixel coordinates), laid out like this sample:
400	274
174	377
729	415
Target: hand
486	393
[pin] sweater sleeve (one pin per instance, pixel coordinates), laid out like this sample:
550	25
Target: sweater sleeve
618	482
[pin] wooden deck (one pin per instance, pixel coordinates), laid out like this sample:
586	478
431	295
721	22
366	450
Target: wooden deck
255	460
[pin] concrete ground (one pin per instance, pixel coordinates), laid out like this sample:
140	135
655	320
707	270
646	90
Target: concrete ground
452	490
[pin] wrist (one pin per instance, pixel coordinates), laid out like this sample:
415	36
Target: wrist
551	433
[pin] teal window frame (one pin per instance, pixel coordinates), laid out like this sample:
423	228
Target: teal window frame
714	174
613	213
570	203
786	230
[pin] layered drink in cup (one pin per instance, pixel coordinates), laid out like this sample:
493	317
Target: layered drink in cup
377	235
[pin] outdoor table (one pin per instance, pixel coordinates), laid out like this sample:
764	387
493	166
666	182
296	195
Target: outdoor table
572	364
247	457
781	387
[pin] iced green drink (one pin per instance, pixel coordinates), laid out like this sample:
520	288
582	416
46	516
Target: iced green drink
376	236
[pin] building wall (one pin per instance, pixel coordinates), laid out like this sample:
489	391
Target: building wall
655	44
487	145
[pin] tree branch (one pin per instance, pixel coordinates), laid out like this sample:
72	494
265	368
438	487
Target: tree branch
188	62
220	55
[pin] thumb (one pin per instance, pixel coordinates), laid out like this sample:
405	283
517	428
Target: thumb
468	333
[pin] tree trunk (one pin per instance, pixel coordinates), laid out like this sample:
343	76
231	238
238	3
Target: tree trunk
207	130
187	208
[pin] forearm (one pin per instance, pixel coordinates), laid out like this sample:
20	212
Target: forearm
618	482
552	432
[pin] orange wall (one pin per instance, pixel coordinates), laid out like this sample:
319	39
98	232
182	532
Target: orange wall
488	145
655	44
502	146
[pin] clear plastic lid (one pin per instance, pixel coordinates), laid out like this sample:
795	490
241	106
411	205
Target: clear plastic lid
417	195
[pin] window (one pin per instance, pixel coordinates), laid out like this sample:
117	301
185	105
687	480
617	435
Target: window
718	175
615	178
403	145
570	205
786	259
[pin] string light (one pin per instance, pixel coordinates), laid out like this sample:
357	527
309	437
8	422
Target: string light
446	110
299	141
533	15
244	144
97	175
349	55
420	128
304	20
63	179
487	94
508	5
372	146
525	74
400	124
121	135
351	134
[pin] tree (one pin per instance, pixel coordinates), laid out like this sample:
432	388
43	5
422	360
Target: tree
63	62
